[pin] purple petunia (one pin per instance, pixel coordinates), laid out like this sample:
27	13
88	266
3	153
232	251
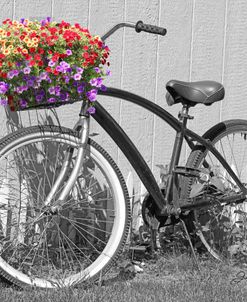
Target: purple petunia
39	98
64	96
77	76
23	103
91	95
79	70
68	52
57	90
3	102
64	65
12	73
59	69
108	72
3	87
103	88
97	69
26	70
97	82
93	82
43	75
51	100
44	22
80	89
30	83
66	79
51	63
51	90
91	110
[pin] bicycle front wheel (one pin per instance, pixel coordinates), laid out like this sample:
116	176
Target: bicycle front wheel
81	239
221	227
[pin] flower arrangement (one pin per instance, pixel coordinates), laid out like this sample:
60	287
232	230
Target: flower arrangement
46	63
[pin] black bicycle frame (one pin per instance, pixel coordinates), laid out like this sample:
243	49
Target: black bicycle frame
133	155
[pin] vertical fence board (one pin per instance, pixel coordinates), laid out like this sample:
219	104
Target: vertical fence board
139	70
113	12
173	63
33	9
207	56
235	71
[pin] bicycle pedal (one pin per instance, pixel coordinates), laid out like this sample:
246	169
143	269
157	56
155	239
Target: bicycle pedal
187	171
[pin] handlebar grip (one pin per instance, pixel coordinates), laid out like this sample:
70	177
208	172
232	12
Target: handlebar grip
153	29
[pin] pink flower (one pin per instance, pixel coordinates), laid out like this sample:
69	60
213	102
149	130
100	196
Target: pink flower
77	77
26	70
91	110
68	52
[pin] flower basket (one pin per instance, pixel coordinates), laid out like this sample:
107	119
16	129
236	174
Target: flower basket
48	64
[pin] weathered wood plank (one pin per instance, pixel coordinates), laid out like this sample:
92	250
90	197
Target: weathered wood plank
104	15
235	71
138	76
33	9
71	11
207	56
173	63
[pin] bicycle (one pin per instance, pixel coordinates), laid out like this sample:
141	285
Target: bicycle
65	210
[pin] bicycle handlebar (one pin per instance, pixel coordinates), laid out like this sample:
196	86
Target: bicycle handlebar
139	26
153	29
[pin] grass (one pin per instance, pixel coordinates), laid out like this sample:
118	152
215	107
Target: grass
169	278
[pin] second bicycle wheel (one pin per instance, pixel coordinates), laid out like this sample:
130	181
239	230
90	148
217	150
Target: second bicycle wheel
222	228
79	241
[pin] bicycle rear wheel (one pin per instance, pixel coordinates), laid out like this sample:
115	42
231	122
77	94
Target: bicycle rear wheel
221	227
78	242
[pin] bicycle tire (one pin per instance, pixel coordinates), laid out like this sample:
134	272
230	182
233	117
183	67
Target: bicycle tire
82	240
215	224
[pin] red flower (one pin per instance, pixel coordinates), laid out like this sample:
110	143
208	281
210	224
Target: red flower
3	75
31	49
37	57
32	63
41	51
85	55
32	35
52	30
48	69
100	44
27	57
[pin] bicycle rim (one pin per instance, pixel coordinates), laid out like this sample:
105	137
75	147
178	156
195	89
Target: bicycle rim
79	241
221	227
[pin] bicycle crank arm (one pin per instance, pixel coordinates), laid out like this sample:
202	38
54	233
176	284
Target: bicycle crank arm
204	201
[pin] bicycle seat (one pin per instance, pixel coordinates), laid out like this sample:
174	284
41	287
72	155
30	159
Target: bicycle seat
192	93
